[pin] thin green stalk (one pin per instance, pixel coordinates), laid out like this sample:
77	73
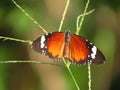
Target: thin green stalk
28	61
31	18
63	16
68	68
82	19
78	18
89	77
14	39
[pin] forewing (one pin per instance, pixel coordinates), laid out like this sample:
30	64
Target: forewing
79	49
83	51
51	44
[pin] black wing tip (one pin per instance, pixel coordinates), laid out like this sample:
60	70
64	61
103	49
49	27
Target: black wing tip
100	58
36	45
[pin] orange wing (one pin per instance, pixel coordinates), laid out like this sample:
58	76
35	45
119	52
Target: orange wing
79	49
55	45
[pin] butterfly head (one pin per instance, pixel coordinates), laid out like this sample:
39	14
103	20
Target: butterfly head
67	35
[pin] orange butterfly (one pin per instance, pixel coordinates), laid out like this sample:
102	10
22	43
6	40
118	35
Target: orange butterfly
78	50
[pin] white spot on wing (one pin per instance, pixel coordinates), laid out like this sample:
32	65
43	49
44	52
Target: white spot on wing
88	55
42	41
86	40
45	47
90	43
94	50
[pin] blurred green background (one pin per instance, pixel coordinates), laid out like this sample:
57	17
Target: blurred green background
102	27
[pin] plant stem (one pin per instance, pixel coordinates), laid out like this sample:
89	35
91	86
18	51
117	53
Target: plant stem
89	77
32	19
78	18
14	39
82	19
68	68
28	61
63	16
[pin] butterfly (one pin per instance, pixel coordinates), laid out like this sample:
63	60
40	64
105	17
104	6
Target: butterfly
76	49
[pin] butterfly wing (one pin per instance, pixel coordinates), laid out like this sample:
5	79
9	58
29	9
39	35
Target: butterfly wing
79	50
96	56
83	51
55	45
51	45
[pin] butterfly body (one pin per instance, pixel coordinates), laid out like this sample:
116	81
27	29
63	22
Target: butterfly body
58	45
